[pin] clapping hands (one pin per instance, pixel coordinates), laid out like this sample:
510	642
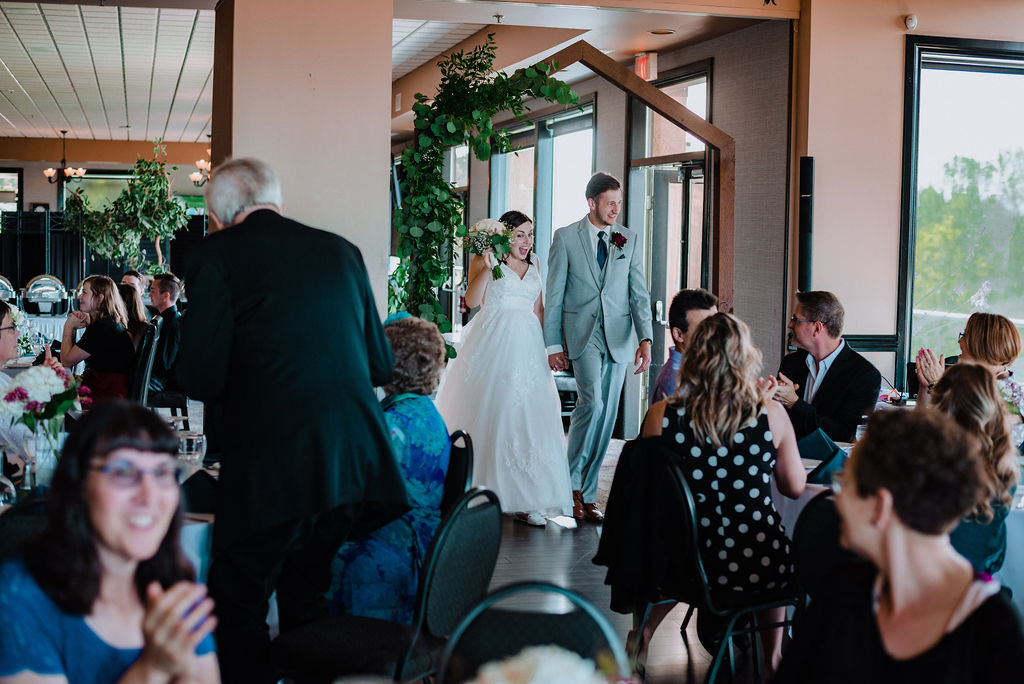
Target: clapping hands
929	368
176	620
76	320
785	391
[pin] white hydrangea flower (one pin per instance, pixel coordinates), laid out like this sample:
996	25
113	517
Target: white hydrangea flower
541	665
41	383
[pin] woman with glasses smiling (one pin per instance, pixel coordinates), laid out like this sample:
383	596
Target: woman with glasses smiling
105	594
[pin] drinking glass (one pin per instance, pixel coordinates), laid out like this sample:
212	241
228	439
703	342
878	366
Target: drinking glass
191	450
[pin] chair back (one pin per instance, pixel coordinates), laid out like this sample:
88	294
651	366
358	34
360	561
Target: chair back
459	477
490	633
816	549
139	391
688	523
20	523
459	562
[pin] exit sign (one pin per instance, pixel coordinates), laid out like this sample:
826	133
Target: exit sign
646	65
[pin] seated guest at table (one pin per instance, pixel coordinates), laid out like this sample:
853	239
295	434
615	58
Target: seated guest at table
136	313
992	341
105	345
689	307
824	384
921	613
376	576
140	283
164	293
105	594
731	442
967	393
12	437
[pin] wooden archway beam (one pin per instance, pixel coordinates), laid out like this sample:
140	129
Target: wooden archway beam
719	143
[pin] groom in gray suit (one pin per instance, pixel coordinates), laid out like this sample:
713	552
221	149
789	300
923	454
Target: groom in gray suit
596	296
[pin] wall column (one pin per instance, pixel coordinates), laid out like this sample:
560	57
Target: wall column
308	90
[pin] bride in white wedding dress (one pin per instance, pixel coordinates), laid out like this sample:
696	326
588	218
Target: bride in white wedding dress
500	389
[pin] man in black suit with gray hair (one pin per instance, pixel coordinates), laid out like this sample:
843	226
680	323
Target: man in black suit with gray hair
306	450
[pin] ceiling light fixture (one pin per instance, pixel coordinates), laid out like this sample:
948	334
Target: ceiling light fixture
662	32
200	177
67	173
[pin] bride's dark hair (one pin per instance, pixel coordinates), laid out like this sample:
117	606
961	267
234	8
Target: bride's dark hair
514	219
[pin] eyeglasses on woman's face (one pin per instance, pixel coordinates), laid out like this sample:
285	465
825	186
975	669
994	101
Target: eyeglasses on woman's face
125	474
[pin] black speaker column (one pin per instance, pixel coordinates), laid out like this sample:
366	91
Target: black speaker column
806	219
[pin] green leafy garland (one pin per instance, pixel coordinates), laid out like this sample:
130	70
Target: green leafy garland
143	209
469	95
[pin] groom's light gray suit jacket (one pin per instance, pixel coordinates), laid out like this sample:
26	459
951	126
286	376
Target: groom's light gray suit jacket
578	292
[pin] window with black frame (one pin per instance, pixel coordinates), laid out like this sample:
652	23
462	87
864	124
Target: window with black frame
963	213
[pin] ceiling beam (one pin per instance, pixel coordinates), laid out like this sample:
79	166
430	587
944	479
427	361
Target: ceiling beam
84	152
513	44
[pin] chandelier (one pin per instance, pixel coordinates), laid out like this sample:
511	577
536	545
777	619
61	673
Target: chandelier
69	174
200	177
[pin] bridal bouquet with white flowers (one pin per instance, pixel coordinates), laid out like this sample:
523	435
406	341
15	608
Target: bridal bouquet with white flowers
491	239
543	665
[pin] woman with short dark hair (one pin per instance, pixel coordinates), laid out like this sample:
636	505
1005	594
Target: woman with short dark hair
377	575
105	594
919	612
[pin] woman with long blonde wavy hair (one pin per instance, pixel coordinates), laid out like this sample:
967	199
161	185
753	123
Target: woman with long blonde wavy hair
105	345
731	441
967	393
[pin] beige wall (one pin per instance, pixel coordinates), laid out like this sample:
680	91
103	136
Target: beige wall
854	113
333	74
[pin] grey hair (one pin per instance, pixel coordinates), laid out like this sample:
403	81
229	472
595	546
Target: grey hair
240	184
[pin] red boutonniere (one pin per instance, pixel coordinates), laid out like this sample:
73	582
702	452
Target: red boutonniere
618	239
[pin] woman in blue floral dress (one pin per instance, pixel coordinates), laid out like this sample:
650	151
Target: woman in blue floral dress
377	575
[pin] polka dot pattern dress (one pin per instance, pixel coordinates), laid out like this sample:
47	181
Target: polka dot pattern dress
742	541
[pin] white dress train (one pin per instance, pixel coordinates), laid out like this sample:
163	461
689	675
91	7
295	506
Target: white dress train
500	390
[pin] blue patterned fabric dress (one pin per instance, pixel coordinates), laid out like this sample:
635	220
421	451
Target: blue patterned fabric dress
376	576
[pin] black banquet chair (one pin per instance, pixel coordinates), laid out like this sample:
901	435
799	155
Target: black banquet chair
490	633
459	478
736	610
20	523
456	573
139	391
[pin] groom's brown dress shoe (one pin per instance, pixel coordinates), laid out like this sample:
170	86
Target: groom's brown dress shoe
577	505
592	513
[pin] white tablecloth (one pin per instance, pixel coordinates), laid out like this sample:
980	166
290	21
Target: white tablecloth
52	327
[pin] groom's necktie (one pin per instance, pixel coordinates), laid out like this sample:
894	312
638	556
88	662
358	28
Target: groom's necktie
602	250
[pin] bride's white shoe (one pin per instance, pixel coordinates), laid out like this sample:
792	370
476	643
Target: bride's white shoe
531	518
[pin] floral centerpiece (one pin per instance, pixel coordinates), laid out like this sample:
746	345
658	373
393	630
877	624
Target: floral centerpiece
546	665
491	239
39	397
1012	394
21	322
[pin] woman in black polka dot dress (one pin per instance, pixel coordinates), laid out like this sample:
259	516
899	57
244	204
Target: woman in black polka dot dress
731	442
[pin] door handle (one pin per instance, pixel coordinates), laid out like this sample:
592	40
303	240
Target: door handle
659	313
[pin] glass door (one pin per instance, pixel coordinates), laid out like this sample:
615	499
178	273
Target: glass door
676	244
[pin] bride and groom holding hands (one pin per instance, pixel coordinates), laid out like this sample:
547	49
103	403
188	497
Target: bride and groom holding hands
500	388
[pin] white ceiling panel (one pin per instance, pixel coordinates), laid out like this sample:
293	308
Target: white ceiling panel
414	42
105	73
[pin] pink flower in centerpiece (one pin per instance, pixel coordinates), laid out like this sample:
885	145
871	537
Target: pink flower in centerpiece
17	394
85	402
84	391
35	406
